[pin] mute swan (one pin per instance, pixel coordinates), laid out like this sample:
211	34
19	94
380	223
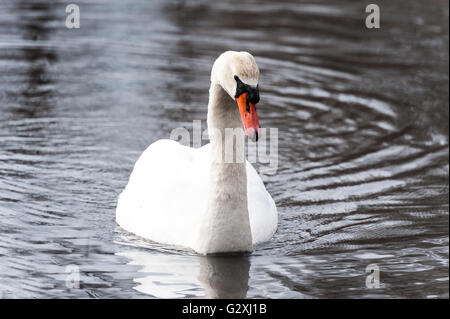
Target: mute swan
190	197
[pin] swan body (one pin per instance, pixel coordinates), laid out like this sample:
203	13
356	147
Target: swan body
191	197
163	200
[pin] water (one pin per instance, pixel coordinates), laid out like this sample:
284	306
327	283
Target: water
363	145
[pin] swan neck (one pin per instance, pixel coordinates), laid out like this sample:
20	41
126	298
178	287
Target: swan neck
227	138
225	226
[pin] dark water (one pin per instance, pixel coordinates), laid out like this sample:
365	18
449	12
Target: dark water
363	174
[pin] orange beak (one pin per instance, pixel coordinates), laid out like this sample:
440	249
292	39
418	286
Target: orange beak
249	117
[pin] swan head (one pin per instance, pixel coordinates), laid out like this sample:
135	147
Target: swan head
238	74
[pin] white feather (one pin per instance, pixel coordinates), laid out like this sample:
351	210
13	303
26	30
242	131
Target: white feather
189	197
165	199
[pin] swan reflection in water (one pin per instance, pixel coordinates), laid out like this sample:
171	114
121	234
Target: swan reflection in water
224	276
181	276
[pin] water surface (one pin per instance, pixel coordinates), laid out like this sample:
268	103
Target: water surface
363	144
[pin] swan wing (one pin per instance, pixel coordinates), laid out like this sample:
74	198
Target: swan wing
261	207
166	194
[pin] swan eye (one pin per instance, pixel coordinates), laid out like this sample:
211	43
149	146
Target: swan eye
241	87
254	95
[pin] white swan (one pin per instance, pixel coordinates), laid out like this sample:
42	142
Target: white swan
193	197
